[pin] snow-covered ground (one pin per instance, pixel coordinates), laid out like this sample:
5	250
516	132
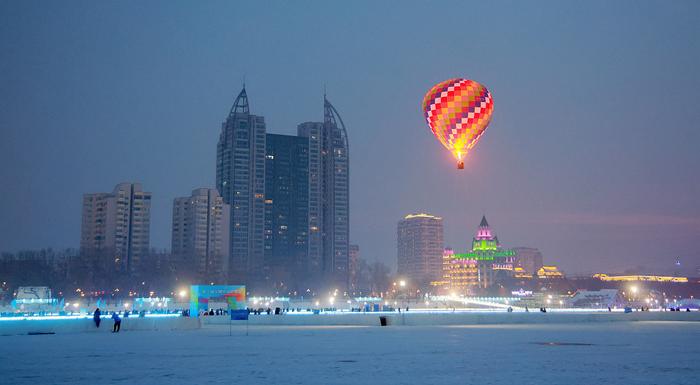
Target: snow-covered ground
584	353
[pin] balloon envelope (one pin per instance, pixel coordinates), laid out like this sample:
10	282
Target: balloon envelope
458	112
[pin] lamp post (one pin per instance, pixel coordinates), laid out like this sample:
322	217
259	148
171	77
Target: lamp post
402	290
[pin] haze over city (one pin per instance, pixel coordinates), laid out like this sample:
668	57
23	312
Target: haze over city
591	155
349	192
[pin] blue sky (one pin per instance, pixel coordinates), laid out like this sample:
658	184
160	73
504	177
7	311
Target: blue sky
592	154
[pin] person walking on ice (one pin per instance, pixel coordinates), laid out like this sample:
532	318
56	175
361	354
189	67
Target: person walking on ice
117	322
96	317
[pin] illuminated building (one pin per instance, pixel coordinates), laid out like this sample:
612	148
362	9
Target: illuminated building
549	272
420	248
489	256
630	278
200	231
459	275
286	209
519	272
480	266
444	282
527	261
116	227
329	195
240	179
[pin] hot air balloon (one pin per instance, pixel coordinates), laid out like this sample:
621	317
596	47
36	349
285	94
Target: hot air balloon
458	112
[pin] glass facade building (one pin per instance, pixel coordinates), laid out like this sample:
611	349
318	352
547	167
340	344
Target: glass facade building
286	210
329	193
240	179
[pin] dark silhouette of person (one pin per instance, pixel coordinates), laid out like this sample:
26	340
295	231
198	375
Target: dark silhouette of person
96	317
117	322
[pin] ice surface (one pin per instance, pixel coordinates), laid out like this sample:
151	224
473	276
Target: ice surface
571	354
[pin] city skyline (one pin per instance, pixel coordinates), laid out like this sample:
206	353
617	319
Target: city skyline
410	185
595	170
288	198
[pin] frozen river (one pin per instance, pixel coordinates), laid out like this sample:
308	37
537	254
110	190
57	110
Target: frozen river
594	353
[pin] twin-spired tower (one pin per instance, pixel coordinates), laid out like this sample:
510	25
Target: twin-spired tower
241	177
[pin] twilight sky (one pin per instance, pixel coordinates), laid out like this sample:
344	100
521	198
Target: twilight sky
593	154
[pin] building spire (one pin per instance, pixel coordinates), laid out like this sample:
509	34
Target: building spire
483	223
484	231
240	106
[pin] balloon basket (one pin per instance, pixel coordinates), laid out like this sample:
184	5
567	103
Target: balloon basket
460	165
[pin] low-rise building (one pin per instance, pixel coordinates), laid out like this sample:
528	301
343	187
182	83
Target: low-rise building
597	299
549	272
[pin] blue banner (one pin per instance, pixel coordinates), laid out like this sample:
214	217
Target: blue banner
239	315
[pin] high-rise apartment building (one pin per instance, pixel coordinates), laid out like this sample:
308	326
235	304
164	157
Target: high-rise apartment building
240	179
116	226
200	236
329	192
353	266
287	210
312	131
420	249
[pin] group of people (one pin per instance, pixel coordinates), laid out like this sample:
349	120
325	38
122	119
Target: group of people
212	312
97	317
678	309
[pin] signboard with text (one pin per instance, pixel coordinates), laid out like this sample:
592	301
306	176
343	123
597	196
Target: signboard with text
202	295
